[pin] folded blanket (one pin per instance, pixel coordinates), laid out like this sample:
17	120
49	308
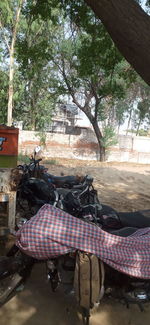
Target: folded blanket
53	232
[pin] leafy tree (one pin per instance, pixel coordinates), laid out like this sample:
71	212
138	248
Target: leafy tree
124	108
34	46
143	110
128	26
109	137
9	23
55	57
91	70
26	28
135	106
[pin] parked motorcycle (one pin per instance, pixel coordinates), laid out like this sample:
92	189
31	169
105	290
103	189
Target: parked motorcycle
36	170
37	187
126	288
79	199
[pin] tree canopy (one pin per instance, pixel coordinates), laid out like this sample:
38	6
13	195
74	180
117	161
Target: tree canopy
62	50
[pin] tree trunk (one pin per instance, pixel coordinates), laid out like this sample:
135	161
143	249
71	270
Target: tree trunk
129	27
102	153
118	129
11	67
32	113
129	121
10	88
137	131
99	137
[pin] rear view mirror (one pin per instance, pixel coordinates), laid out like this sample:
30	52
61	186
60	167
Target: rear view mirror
37	149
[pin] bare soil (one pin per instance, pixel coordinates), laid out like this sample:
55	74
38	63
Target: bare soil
125	187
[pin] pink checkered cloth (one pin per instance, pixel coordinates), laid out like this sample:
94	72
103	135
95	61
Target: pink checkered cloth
52	232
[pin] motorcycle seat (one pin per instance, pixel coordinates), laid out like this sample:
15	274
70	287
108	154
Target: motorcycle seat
124	232
61	181
138	219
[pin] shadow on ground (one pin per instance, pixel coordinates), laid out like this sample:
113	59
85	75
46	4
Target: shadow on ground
37	305
124	186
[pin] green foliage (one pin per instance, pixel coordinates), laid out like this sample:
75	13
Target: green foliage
91	69
7	9
143	108
109	137
148	4
42	137
92	65
34	96
23	159
63	49
121	108
43	9
102	113
141	117
33	57
143	133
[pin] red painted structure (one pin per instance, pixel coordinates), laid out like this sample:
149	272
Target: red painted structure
8	146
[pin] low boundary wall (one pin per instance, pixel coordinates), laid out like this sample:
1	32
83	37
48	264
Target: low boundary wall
84	146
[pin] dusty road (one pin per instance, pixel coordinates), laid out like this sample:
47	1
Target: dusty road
124	187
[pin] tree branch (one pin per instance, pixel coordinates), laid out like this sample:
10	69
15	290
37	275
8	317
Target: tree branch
16	24
132	39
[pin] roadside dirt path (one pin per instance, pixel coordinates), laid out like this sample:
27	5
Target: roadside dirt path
126	187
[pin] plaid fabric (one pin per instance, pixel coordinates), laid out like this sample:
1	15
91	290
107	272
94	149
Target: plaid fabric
52	232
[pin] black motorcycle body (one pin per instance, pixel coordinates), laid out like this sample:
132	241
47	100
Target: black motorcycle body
34	192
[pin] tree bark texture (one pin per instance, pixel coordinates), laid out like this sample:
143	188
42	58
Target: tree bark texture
97	132
11	66
99	137
129	121
10	88
129	28
87	111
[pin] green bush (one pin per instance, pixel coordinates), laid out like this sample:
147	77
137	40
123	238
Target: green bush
143	133
109	137
50	162
42	137
23	158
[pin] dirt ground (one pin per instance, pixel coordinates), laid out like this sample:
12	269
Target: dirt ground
126	187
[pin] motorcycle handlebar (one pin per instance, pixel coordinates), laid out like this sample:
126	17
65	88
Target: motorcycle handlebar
35	161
